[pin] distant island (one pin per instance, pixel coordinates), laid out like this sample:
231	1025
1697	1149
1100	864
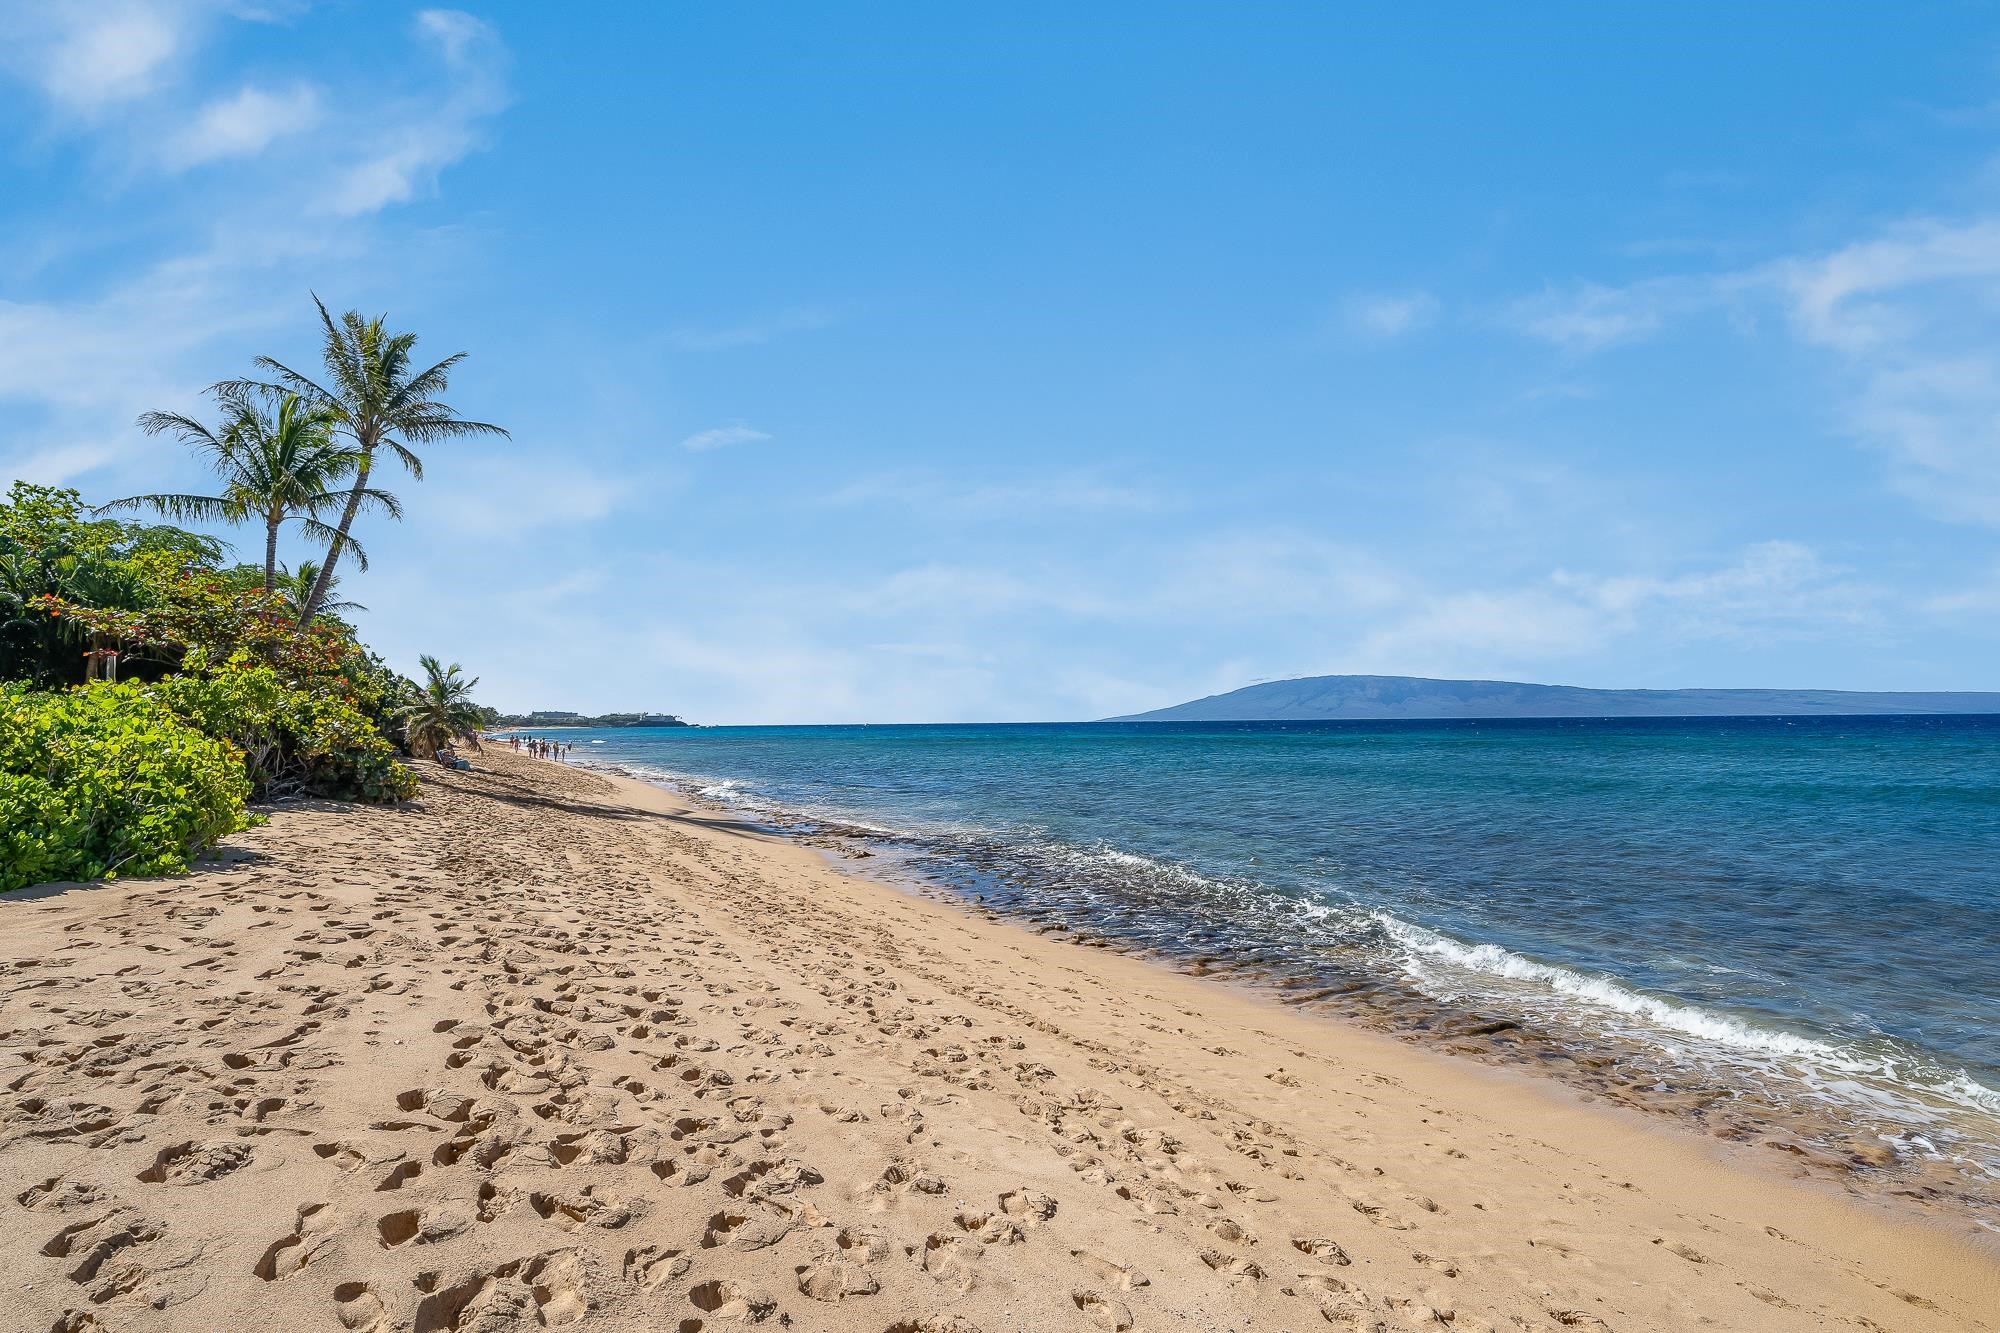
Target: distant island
551	718
1363	698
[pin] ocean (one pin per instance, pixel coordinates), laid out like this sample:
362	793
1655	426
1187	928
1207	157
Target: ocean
1758	922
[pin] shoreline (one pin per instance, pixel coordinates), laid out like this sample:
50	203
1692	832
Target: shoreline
1744	1115
561	1043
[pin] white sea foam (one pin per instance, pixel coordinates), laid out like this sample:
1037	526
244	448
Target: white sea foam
1492	960
1876	1079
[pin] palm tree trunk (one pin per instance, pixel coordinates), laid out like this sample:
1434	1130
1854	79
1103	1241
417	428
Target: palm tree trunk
347	513
271	552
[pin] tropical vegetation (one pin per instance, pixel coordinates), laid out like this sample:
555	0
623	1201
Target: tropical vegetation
108	780
378	402
150	689
443	709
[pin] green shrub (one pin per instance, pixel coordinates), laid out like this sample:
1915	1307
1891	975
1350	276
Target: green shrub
106	780
293	740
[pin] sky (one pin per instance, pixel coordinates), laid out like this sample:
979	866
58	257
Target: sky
1042	361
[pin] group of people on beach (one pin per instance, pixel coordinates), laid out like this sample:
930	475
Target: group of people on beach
539	748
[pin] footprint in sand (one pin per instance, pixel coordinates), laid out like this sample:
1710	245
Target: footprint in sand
833	1278
650	1266
58	1194
357	1307
1031	1206
953	1260
1231	1266
1102	1310
288	1254
120	1254
1322	1249
990	1228
1682	1250
421	1227
547	1290
402	1175
1121	1276
733	1300
752	1228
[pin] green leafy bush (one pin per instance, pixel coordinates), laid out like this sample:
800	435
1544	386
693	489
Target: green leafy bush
107	780
293	740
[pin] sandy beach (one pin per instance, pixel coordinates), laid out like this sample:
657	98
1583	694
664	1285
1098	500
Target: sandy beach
555	1049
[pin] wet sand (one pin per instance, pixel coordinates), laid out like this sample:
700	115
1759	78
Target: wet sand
559	1050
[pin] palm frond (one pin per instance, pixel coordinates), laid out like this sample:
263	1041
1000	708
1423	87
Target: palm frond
183	508
335	541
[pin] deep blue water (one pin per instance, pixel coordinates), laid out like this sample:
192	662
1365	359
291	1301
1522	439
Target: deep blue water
1810	899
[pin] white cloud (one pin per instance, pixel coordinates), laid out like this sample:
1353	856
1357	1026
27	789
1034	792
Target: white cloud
1014	499
384	144
82	370
457	33
1910	320
1858	298
1773	590
1269	575
722	437
90	56
498	495
1392	316
1592	317
426	136
1978	602
965	640
753	332
244	125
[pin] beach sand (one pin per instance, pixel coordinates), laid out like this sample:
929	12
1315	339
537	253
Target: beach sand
557	1050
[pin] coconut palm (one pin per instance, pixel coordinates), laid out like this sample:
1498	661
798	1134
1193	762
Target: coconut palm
275	469
376	400
295	585
443	709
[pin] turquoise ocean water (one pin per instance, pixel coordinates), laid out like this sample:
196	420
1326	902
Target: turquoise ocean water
1806	908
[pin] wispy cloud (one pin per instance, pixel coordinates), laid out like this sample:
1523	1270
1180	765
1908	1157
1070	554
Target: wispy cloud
1060	491
428	134
752	332
1862	297
1391	316
89	57
722	437
1591	316
1910	319
117	70
501	495
997	638
244	125
1772	591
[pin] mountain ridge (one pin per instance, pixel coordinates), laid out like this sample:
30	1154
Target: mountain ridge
1383	698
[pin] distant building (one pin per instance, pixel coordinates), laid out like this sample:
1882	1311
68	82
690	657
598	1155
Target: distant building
551	717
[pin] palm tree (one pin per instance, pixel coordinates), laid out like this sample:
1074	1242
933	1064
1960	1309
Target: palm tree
443	709
274	469
376	401
295	585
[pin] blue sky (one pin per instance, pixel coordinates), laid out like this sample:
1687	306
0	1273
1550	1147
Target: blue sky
1049	361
